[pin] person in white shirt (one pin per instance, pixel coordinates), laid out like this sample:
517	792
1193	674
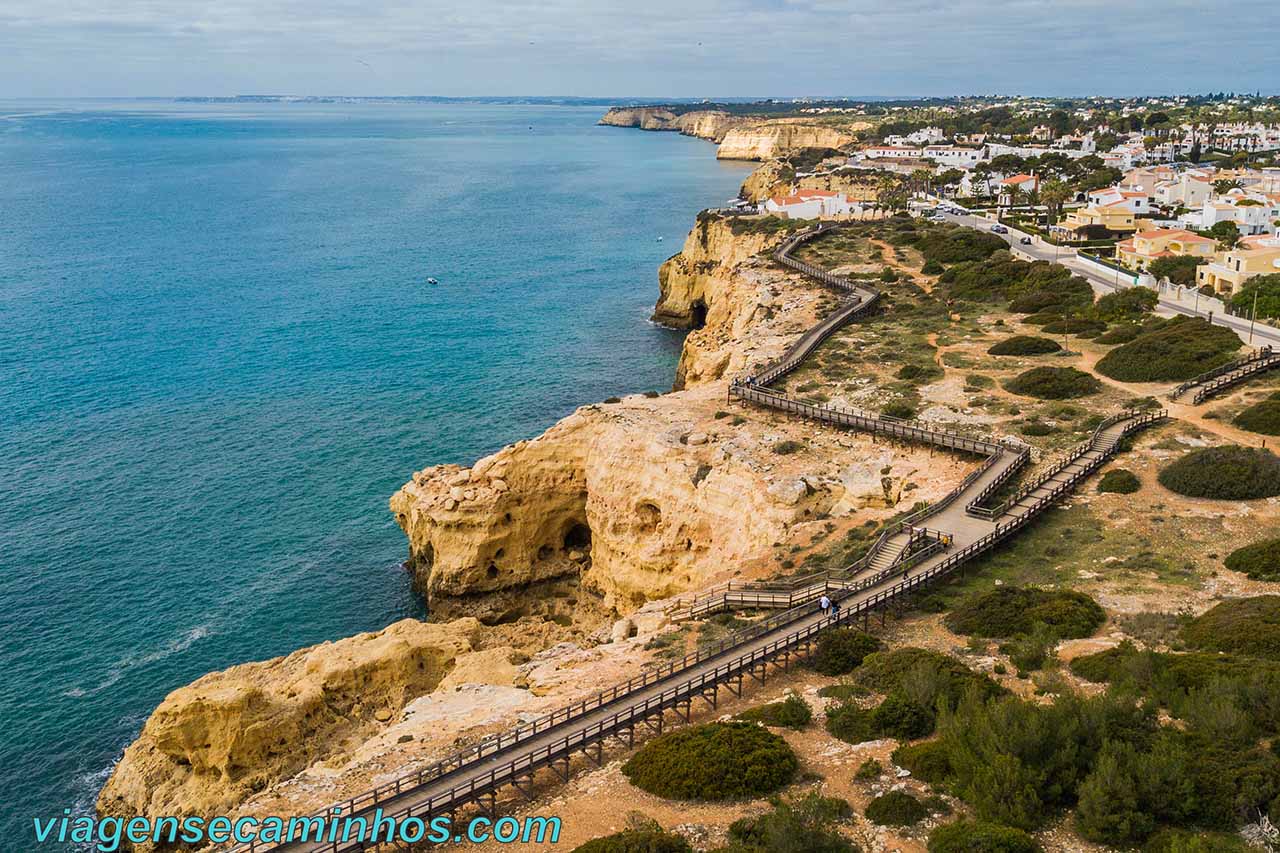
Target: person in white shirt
825	604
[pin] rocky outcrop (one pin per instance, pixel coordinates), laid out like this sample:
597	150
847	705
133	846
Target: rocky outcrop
767	140
211	744
777	177
703	124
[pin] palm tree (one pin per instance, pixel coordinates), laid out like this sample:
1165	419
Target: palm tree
1054	193
920	180
1014	192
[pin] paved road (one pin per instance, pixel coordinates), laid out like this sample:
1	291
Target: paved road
1102	283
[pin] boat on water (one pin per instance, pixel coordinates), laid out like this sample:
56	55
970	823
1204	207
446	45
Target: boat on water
432	281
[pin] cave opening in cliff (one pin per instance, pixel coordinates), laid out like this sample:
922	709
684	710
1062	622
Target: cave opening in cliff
697	314
578	537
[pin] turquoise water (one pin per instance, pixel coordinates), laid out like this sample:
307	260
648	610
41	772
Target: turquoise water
219	357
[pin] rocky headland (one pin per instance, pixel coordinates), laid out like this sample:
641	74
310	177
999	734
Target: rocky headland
547	565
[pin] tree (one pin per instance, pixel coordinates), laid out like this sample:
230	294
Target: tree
1226	232
920	179
1265	289
1196	152
1108	810
1179	269
1013	192
1054	193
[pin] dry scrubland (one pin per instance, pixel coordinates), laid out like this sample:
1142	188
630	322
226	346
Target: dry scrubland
1103	681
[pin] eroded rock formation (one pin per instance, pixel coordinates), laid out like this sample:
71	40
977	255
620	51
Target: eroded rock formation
703	124
767	140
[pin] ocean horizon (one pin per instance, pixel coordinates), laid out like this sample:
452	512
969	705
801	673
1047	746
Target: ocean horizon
223	355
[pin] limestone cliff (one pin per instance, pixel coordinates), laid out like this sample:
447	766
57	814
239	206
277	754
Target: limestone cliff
704	124
231	733
766	140
777	177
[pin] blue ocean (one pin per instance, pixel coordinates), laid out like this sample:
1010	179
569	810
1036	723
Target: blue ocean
220	355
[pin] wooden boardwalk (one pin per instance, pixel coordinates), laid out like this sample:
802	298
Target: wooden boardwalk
929	545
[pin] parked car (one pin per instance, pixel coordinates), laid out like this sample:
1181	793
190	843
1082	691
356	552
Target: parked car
999	229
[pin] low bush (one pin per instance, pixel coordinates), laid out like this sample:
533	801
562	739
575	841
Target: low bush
1024	345
1129	304
918	371
1053	383
980	836
715	761
843	692
637	841
1042	318
791	713
956	245
1230	472
787	446
1035	428
869	770
1120	334
842	650
1007	611
888	275
932	268
1119	481
851	724
800	825
902	718
896	808
1185	841
1078	326
927	761
1034	303
1260	561
1170	350
901	411
1248	626
1262	418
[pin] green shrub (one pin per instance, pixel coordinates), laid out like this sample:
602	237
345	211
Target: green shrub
1034	428
791	713
900	410
843	692
1249	626
918	371
1128	304
979	836
1260	561
1179	269
932	268
1230	472
902	718
801	825
1034	303
868	770
956	245
842	650
715	761
1024	345
1170	350
850	723
927	761
923	675
1007	610
1262	418
1078	326
1042	318
787	446
1120	334
896	808
1053	383
889	275
1120	481
637	841
1029	652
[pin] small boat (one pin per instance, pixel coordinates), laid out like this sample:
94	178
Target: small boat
432	281
659	239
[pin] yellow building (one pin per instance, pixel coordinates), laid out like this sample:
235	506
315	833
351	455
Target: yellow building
1113	217
1253	256
1145	246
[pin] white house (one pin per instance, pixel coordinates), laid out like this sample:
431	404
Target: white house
811	204
886	152
1134	201
1253	213
1191	188
952	156
926	136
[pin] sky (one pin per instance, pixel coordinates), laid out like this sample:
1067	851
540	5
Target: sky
638	48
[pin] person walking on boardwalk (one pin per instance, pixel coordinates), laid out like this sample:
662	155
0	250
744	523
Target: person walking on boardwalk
824	604
835	609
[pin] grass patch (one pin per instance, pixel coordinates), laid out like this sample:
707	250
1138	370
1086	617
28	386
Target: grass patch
714	761
1053	383
1230	472
1024	345
1260	561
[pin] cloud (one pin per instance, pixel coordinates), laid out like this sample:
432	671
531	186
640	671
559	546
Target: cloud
657	47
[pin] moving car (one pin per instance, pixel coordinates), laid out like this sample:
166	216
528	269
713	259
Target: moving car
999	229
1026	241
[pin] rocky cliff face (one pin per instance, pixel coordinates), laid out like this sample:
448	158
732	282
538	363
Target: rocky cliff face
764	141
704	124
231	733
